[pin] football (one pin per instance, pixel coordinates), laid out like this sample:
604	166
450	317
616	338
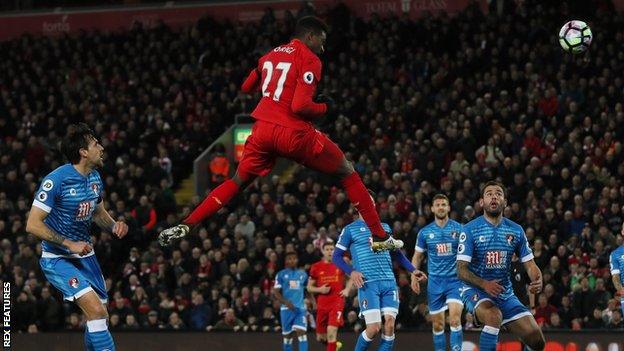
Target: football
575	37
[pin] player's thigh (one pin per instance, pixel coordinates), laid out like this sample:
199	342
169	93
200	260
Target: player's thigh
436	297
488	313
369	301
301	322
512	309
90	269
389	299
258	154
335	317
454	299
455	312
64	274
322	319
287	319
323	154
92	306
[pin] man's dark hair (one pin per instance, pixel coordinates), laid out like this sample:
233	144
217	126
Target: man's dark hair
78	137
331	243
310	24
494	183
288	254
440	197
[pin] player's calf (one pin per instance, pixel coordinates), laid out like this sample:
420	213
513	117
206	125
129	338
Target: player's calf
97	335
387	338
536	341
491	317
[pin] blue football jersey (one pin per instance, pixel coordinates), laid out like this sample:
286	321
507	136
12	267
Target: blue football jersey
293	284
441	247
356	237
69	198
489	250
616	261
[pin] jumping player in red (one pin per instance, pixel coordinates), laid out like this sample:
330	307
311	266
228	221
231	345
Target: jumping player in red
327	281
287	76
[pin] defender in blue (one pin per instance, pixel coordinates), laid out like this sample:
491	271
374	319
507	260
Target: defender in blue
616	261
289	290
372	273
484	254
68	200
439	240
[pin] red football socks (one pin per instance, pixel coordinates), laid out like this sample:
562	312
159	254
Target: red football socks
212	203
361	199
331	346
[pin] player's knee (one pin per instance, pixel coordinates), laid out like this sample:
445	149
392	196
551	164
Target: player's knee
493	318
438	325
97	312
242	179
389	328
536	341
455	322
345	169
373	329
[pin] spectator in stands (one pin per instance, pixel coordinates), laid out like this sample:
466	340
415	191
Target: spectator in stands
229	322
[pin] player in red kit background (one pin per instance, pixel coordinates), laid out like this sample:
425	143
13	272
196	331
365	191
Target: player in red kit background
327	282
288	76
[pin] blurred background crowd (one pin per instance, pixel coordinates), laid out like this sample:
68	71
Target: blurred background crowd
442	104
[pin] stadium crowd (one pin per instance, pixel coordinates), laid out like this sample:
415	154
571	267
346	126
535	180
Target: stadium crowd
436	105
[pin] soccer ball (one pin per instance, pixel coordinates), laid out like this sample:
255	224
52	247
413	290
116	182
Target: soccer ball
575	37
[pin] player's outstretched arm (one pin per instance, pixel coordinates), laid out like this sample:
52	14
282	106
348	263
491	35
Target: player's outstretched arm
250	85
417	259
338	260
38	228
103	219
535	274
348	287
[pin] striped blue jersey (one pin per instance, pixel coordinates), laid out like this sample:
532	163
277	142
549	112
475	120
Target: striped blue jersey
69	198
489	250
292	283
357	238
616	261
441	247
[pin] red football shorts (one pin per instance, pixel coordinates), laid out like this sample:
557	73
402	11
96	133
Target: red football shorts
308	147
329	317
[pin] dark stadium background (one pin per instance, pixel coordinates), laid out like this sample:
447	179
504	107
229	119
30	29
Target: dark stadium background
438	103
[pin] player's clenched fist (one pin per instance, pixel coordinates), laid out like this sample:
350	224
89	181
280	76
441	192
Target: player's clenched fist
120	229
492	287
79	247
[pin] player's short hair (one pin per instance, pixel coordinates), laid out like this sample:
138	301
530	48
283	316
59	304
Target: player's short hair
291	253
328	243
78	137
440	197
310	24
494	183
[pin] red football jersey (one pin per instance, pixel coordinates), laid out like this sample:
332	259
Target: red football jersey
287	76
328	273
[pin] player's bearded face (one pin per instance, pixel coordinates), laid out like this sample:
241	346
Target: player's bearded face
493	201
441	208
